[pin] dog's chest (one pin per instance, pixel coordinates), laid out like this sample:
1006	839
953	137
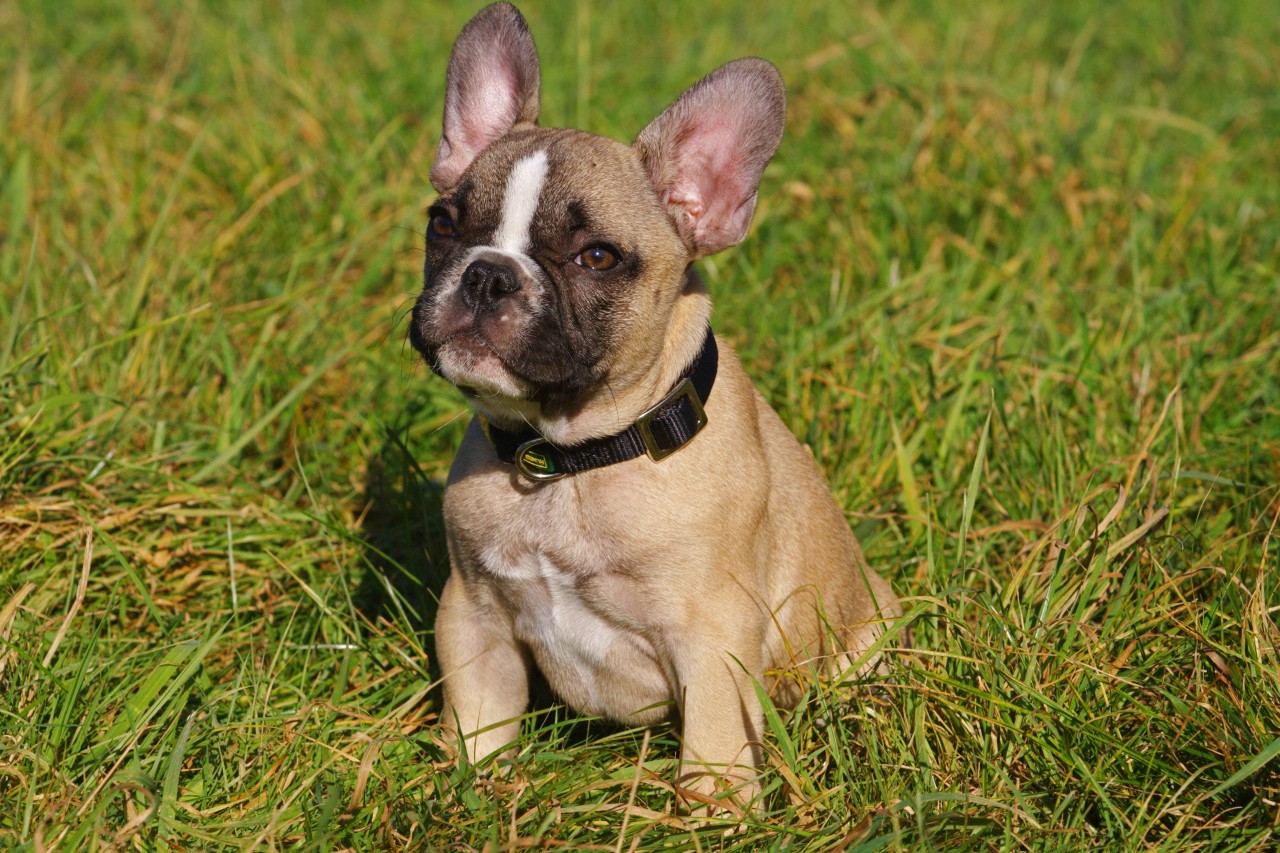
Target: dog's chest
582	633
557	612
573	603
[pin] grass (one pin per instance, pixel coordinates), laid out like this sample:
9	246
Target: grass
1013	278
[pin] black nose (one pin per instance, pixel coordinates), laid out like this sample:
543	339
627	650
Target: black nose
484	282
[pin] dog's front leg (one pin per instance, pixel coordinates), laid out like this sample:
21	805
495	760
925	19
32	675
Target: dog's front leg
721	722
484	667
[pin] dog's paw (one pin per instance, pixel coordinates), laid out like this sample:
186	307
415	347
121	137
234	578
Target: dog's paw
711	798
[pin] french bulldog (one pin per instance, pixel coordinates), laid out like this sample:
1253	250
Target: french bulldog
626	513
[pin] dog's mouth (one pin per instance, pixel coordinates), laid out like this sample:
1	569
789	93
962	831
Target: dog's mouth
519	364
470	341
474	365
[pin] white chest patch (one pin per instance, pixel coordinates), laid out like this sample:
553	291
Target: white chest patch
520	203
554	616
564	630
568	626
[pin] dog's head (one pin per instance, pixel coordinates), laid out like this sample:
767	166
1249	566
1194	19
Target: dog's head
557	260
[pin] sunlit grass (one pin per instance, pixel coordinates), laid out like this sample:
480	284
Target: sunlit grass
1013	279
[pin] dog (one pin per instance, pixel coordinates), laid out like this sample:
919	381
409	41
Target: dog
626	513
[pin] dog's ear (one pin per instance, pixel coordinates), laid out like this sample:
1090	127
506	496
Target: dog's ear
706	152
491	86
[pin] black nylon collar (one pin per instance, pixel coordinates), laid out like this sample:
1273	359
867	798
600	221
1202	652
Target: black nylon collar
659	432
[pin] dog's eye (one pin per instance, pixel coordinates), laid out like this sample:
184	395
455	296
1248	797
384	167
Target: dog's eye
441	226
598	258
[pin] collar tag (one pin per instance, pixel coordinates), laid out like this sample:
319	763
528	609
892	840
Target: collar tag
533	459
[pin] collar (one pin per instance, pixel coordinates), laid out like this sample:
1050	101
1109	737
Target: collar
659	432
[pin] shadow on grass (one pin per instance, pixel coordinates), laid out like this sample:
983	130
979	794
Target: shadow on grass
403	530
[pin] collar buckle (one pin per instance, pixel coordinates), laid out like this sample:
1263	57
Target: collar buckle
644	424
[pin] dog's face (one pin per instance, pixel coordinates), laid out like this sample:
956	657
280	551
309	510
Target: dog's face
549	254
554	257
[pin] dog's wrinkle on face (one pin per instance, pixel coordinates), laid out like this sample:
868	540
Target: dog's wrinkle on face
461	199
613	400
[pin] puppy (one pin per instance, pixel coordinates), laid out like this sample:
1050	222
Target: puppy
626	512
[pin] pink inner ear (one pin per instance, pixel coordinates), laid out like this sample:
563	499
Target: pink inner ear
705	153
491	86
493	109
489	111
713	183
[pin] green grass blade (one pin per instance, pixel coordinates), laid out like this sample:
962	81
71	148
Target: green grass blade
1250	767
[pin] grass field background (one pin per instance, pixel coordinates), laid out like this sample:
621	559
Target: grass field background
1013	278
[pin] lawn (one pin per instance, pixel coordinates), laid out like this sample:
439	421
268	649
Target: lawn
1013	279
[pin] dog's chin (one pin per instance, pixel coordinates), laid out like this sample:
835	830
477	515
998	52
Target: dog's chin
497	386
477	371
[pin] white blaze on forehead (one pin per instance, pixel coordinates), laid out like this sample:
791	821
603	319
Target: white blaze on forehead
520	202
